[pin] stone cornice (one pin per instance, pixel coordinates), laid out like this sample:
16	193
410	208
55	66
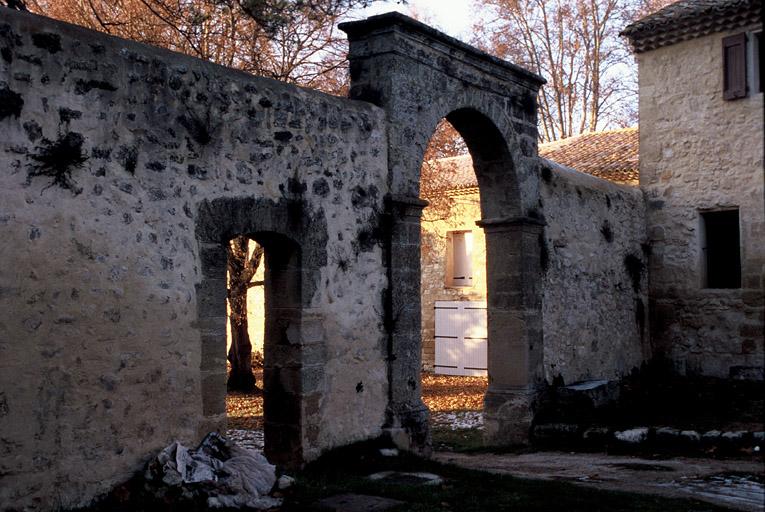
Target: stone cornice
419	32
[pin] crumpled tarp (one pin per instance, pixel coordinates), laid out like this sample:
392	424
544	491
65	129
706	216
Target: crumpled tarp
228	475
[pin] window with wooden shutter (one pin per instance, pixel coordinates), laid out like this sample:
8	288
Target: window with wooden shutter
734	66
459	259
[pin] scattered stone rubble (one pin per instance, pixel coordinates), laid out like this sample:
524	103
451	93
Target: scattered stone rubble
218	470
666	438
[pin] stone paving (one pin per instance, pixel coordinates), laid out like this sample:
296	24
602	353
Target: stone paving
251	439
737	484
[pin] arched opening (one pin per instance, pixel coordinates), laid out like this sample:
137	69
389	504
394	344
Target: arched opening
453	292
466	177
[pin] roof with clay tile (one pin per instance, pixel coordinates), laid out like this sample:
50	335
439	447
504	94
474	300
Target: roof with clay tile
611	155
689	19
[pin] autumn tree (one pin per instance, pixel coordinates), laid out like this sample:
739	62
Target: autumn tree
295	41
435	178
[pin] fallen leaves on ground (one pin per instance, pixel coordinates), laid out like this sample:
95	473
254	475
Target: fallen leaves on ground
441	393
245	410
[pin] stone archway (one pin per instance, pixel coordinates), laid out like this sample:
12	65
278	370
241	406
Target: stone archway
294	352
419	75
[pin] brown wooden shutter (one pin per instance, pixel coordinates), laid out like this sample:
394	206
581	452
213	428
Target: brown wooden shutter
734	66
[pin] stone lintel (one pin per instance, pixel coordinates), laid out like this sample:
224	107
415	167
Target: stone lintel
420	33
511	224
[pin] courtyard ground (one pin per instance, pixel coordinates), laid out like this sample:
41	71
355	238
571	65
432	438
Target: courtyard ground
579	481
455	405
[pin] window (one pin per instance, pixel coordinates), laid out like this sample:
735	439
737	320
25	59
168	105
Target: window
459	259
734	67
742	61
721	251
754	62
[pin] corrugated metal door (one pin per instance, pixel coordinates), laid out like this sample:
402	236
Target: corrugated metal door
461	338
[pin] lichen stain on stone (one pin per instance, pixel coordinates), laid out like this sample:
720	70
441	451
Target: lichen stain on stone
635	268
127	156
57	160
82	87
47	41
606	231
11	103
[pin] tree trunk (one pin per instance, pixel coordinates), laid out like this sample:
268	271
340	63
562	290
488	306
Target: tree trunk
241	270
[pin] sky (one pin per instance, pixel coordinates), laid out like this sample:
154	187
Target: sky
454	17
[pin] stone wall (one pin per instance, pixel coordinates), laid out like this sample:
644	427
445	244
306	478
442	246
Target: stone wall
594	268
111	152
699	152
595	278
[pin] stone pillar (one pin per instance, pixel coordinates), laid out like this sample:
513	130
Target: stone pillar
407	421
514	299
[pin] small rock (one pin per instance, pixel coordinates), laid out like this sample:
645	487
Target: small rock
711	437
633	436
356	503
667	434
409	478
285	482
690	436
595	434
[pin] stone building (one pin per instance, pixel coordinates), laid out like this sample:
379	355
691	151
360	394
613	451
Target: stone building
701	169
451	221
128	168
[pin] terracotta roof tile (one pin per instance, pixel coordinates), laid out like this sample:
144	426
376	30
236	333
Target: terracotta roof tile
688	19
611	155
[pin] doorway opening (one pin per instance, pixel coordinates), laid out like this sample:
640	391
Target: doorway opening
245	301
453	292
263	306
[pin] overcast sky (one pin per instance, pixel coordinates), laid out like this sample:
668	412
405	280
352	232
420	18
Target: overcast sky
455	17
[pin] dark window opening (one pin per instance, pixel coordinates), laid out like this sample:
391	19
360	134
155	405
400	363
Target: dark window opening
722	252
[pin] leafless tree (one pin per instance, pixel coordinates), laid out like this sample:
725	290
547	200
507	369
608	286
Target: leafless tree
575	45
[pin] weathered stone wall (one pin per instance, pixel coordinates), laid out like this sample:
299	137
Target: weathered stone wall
595	278
464	212
700	152
594	313
102	333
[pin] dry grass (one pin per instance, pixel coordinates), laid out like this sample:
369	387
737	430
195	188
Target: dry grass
441	393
